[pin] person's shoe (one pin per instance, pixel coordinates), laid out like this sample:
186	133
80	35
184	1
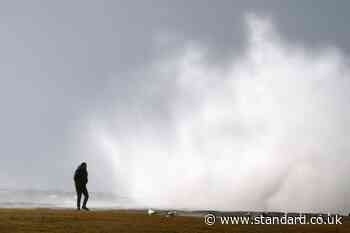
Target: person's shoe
85	208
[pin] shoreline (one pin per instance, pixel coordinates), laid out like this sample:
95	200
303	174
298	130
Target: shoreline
63	220
179	212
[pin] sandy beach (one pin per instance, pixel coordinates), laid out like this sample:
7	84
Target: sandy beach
105	221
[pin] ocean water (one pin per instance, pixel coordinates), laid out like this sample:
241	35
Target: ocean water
59	199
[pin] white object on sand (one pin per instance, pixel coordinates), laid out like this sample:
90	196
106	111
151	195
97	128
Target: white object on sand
150	212
171	213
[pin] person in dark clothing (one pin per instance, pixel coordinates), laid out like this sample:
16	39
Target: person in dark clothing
80	180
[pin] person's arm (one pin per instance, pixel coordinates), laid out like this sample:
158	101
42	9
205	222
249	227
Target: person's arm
85	177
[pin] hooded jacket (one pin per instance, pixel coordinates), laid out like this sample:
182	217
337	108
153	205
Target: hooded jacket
81	175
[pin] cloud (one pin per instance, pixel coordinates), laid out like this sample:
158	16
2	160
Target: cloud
267	132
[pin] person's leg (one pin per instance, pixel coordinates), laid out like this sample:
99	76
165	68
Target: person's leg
79	192
86	198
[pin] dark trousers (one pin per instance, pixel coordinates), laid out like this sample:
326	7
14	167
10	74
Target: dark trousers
81	189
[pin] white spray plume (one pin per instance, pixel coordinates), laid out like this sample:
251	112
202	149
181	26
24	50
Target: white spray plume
268	132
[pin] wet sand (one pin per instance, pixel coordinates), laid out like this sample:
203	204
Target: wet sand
108	221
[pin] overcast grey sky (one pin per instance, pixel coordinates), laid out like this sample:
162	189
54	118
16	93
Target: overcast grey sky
62	62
